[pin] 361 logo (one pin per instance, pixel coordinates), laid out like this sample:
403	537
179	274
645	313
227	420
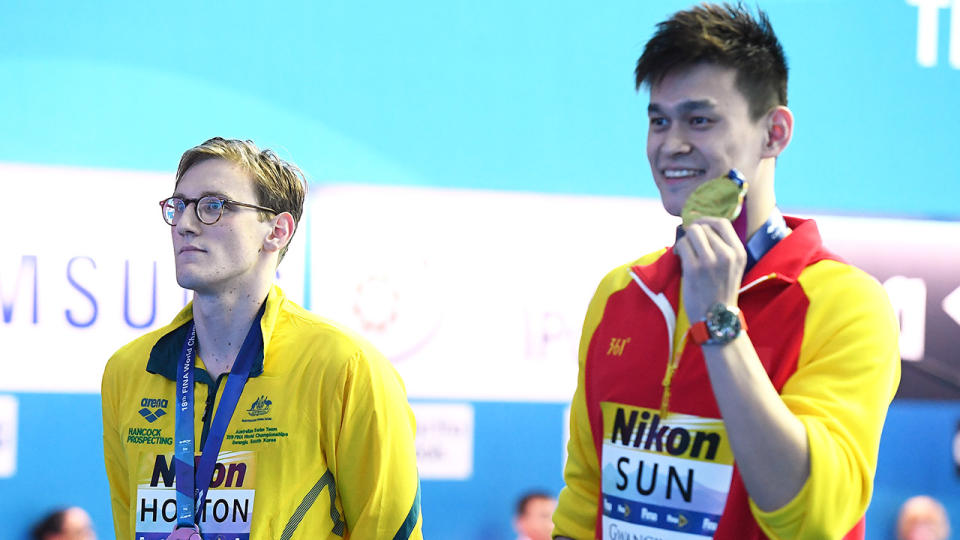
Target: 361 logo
260	406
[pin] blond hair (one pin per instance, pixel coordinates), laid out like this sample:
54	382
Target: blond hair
278	184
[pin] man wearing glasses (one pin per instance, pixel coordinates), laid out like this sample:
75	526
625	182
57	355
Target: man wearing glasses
248	416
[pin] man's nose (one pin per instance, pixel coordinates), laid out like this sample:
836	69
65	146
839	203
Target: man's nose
188	222
676	142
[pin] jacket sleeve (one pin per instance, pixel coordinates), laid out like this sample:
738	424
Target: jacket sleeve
847	374
113	454
376	462
576	513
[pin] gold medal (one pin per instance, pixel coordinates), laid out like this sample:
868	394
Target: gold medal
721	197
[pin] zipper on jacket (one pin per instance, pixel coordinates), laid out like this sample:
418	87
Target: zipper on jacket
208	409
673	360
660	300
673	357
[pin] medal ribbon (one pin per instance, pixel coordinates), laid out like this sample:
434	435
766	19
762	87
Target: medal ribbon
192	489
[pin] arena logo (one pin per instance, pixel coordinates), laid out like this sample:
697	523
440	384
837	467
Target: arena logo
153	409
928	26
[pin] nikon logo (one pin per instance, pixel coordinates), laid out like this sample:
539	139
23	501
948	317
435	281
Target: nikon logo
650	434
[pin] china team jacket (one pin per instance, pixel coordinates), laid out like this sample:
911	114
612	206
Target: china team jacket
321	444
826	334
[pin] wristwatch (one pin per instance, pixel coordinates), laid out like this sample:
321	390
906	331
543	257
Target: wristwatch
721	325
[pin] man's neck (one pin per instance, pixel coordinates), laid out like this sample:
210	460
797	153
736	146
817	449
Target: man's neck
756	219
223	321
760	200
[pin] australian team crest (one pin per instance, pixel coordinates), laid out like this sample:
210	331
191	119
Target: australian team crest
260	406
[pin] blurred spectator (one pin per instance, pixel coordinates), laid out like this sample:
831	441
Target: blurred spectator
923	518
67	524
534	517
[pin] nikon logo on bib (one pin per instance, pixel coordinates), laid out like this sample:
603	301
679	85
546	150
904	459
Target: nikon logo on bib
664	478
225	513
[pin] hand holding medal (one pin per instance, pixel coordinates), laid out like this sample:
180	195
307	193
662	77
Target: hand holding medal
711	250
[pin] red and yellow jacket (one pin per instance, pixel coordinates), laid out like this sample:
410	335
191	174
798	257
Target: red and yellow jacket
827	336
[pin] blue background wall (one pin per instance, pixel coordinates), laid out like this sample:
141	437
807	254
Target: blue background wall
533	96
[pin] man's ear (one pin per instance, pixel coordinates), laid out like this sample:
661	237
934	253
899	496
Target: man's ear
779	131
281	232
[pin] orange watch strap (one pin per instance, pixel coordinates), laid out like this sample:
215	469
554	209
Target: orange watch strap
700	334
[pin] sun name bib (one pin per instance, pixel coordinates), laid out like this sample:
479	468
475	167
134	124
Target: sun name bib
662	478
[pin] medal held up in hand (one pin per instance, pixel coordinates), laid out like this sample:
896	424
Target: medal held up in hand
721	197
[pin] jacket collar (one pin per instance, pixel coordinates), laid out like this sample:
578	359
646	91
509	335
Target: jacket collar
659	274
785	260
770	234
165	354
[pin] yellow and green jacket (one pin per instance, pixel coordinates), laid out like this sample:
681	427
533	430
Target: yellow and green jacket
827	337
321	444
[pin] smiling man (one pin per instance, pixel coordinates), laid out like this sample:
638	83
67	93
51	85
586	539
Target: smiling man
248	416
734	385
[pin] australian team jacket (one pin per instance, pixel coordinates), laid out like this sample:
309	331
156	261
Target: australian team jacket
320	446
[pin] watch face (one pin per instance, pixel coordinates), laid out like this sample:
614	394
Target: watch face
722	323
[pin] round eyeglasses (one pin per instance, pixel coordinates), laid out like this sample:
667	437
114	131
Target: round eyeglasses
209	208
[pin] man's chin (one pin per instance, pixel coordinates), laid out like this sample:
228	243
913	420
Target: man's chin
672	208
190	282
673	197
